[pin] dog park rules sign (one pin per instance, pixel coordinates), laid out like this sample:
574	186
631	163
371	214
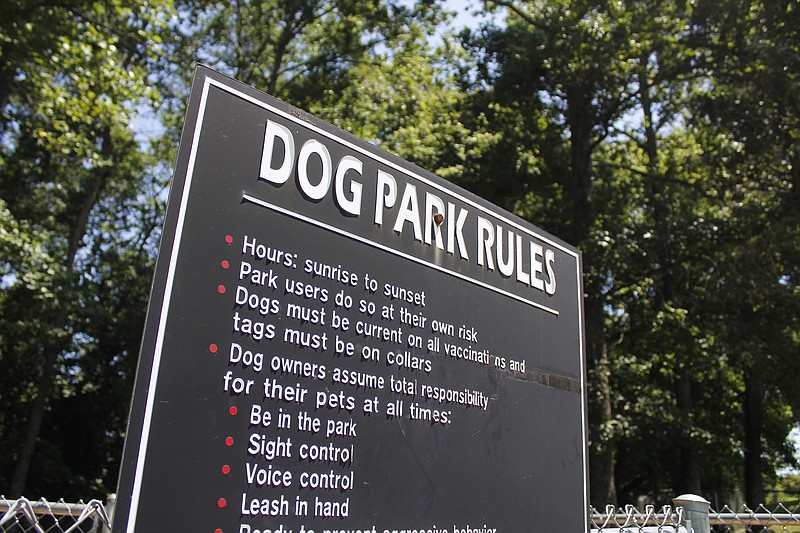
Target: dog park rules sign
339	341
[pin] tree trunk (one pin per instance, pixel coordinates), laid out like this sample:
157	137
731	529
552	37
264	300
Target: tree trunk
688	472
753	426
603	452
602	458
43	390
55	346
686	475
580	126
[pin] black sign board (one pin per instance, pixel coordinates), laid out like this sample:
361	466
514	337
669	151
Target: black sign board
340	341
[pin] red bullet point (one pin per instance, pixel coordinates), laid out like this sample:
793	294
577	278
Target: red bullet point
233	410
228	239
229	441
221	503
221	289
212	348
218	530
225	265
226	469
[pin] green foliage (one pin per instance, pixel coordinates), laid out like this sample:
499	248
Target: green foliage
70	179
786	491
668	129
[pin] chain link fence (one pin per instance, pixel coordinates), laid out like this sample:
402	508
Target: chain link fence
628	519
41	516
780	519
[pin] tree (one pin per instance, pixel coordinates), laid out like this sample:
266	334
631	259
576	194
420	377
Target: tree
297	51
82	201
753	47
622	112
562	69
406	102
70	77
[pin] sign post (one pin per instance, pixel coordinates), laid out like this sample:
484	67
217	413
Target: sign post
340	341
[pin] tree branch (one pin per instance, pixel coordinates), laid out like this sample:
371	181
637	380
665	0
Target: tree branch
520	13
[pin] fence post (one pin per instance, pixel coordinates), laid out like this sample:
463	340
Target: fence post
695	510
111	505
